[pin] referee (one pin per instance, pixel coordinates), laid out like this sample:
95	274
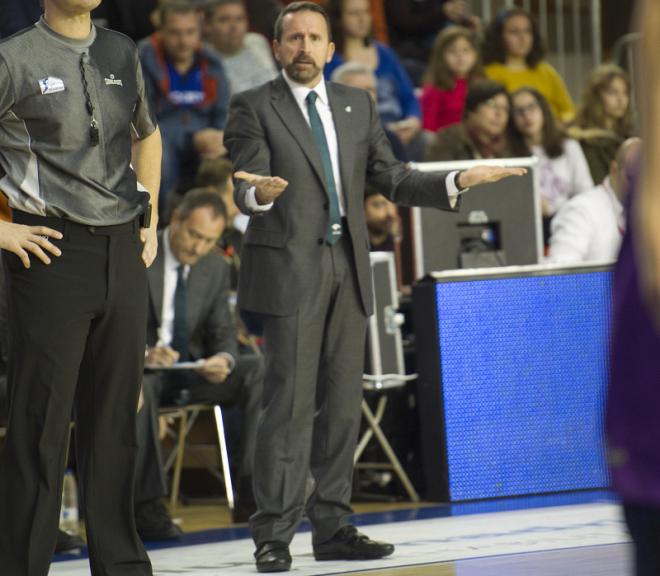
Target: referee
80	158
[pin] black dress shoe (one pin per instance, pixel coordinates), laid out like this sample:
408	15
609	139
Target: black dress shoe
68	542
273	557
349	544
154	523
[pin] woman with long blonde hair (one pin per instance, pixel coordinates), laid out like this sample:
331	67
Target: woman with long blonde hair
605	117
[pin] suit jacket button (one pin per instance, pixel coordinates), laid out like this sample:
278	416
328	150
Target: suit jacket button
320	241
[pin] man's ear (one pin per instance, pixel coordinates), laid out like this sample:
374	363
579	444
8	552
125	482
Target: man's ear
331	52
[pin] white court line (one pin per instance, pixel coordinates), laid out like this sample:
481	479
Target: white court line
417	542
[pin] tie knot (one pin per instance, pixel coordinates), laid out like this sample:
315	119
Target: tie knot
180	269
311	98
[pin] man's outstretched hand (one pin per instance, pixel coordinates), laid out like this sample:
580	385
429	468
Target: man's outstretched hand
486	174
268	188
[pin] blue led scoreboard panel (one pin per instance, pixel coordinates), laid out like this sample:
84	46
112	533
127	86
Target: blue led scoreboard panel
513	377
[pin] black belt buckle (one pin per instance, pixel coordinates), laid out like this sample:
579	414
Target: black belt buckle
145	217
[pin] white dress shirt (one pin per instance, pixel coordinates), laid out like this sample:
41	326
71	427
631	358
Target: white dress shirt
300	93
588	228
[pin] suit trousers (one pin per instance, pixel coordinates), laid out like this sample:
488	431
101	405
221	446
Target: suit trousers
311	405
243	387
77	331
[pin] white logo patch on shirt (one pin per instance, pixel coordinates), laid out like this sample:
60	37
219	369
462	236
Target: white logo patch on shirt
51	85
112	81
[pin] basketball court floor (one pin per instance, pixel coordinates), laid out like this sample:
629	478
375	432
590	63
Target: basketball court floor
579	534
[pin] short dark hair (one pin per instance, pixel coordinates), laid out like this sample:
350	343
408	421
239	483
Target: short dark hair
300	7
480	92
211	5
493	47
200	198
214	172
166	7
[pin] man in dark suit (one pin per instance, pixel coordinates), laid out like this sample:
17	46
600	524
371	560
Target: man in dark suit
305	273
189	319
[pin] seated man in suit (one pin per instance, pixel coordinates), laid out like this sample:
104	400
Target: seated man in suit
190	320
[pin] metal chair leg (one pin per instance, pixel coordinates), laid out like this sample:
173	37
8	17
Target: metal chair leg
178	465
224	455
396	464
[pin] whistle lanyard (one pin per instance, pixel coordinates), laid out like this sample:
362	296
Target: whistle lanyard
93	124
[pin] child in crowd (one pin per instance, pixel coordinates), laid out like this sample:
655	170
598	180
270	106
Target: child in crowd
605	117
562	169
514	53
397	105
454	64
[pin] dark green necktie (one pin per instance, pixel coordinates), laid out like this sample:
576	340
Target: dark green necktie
334	230
179	327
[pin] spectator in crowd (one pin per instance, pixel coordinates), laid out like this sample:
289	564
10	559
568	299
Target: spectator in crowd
216	174
382	221
605	117
453	66
188	91
246	56
562	170
414	25
590	226
514	53
361	76
190	319
397	105
483	131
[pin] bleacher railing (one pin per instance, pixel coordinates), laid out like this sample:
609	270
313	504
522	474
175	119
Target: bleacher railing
571	28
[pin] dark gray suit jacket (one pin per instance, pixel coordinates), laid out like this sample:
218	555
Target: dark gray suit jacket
266	134
211	328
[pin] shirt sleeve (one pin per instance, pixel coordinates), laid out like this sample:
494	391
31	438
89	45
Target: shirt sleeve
144	121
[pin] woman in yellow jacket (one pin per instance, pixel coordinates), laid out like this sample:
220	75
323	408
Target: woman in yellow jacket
514	55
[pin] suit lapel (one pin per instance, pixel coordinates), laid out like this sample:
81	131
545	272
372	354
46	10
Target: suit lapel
342	115
287	108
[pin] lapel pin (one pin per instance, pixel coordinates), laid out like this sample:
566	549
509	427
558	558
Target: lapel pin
348	109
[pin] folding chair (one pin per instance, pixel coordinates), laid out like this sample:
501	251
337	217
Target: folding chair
384	354
187	416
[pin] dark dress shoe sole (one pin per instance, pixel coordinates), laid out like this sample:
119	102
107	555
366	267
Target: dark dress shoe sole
274	567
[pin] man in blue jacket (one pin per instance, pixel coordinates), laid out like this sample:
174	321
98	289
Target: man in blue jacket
188	92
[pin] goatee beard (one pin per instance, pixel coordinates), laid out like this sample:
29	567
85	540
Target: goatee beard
302	76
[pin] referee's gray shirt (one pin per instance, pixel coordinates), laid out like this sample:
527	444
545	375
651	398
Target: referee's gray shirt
47	163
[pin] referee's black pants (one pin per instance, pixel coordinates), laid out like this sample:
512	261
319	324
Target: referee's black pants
77	339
